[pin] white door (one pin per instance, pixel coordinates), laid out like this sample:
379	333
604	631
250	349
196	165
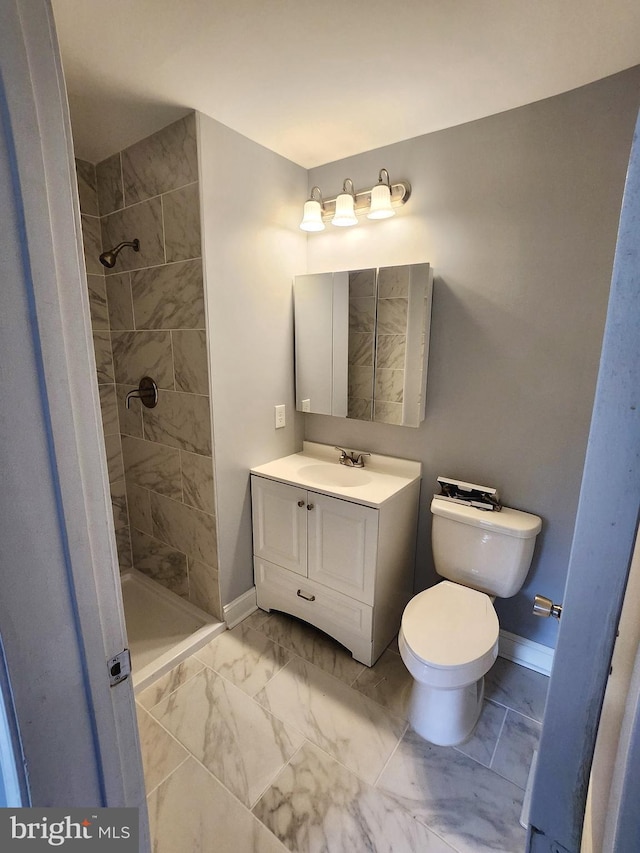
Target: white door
61	613
280	523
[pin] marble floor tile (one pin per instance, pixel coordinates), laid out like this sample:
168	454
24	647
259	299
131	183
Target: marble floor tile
317	805
482	743
191	811
235	738
256	619
313	645
164	686
245	657
469	806
344	723
518	688
388	682
517	743
161	753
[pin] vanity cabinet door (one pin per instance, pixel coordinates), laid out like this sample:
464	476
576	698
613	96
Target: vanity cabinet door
280	523
342	545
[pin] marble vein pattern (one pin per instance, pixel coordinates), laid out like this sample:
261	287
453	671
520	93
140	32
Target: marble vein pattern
518	688
104	357
361	381
359	409
245	657
130	418
180	420
482	743
349	726
139	507
390	351
161	162
387	413
119	301
109	408
181	211
87	188
153	466
387	682
389	385
109	182
362	315
393	282
161	753
159	561
119	504
235	738
170	682
138	354
467	805
514	752
204	587
312	645
197	481
362	283
92	244
98	302
115	466
123	546
191	811
190	361
187	529
361	348
169	296
316	805
392	316
143	222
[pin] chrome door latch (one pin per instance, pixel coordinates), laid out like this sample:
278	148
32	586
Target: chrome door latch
119	667
543	606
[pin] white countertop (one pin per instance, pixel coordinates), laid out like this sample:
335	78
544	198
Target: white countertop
313	468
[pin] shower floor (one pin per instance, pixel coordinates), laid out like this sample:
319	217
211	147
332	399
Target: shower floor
162	628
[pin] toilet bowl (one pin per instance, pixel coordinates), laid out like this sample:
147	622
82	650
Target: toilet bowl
448	641
448	638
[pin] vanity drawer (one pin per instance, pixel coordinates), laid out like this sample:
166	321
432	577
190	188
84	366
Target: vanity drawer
344	618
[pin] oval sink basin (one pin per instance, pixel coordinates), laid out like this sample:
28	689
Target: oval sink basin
327	474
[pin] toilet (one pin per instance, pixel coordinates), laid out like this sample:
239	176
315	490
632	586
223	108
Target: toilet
449	634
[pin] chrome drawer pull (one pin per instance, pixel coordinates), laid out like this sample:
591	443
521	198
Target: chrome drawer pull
306	597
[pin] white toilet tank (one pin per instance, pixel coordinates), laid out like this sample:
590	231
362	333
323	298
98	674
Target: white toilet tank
486	550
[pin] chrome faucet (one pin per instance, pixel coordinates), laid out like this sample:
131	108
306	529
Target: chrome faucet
351	458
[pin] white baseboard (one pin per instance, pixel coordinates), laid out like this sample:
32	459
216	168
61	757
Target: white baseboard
526	652
240	607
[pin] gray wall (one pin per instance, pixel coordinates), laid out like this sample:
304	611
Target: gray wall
518	214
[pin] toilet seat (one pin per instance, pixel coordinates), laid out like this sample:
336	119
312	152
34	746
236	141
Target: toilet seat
449	635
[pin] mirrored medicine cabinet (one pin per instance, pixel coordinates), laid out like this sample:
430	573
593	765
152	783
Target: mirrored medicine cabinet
362	343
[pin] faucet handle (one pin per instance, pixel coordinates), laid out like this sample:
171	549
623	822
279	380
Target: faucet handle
343	453
358	459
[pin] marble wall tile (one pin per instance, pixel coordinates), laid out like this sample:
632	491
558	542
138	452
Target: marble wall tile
391	351
104	358
114	457
119	504
314	646
87	188
165	685
123	545
245	657
389	385
181	211
138	354
119	301
360	409
387	682
162	162
169	297
362	283
393	282
161	753
236	739
152	466
190	361
180	420
160	562
92	244
98	302
469	806
360	378
392	316
349	726
139	505
109	180
184	528
514	753
317	805
387	413
204	586
222	823
142	222
197	481
109	409
131	418
362	315
518	688
361	348
482	743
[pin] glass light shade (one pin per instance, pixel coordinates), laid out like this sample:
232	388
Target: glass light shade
380	203
345	214
312	216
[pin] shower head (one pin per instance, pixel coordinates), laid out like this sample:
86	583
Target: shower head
108	258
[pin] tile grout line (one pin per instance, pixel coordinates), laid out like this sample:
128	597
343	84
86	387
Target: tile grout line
171	692
168	776
495	748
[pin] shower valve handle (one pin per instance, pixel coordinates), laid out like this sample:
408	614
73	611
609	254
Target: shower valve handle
147	392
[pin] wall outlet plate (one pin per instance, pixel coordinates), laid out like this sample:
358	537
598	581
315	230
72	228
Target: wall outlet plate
280	416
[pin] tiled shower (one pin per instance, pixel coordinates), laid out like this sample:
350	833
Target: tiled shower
148	319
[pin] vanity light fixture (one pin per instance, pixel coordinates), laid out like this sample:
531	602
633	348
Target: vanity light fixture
379	202
312	217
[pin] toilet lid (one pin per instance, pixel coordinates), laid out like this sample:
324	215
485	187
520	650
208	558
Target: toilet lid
450	625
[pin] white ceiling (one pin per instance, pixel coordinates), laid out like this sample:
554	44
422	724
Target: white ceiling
318	81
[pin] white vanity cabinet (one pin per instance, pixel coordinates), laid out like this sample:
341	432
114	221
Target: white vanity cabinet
339	557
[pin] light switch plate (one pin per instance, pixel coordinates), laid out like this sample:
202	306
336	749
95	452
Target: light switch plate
280	416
